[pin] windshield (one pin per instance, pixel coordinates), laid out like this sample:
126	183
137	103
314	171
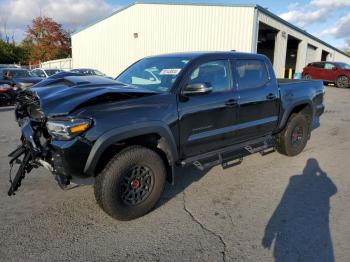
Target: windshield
20	73
155	73
343	65
98	73
51	72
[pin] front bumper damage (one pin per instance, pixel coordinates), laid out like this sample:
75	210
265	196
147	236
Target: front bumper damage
62	158
31	154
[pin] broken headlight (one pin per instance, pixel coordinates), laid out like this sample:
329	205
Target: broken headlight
67	129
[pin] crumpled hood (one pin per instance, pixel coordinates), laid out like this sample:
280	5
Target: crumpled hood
61	99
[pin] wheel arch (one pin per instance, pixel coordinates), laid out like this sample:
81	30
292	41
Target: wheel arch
304	107
155	135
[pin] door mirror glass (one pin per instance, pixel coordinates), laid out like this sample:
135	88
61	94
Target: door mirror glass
196	89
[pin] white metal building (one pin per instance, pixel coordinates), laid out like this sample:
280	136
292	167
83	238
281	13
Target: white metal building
144	29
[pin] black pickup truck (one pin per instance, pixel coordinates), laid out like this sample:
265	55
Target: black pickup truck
205	109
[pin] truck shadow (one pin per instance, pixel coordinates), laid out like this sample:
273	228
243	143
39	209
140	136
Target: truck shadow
184	177
300	222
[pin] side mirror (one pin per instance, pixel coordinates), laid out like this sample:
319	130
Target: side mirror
196	89
334	69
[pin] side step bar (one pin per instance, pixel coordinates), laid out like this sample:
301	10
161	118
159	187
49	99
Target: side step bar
225	156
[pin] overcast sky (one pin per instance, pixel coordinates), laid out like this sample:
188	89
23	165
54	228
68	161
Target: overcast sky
327	19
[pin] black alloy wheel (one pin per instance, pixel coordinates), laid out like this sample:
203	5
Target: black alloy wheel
137	185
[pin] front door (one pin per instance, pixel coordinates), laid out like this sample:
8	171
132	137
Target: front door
258	99
207	120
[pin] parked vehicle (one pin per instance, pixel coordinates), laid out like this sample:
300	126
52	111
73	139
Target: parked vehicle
208	109
9	66
7	94
21	78
56	78
330	72
89	72
45	73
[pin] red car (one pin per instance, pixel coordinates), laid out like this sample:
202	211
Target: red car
329	72
7	94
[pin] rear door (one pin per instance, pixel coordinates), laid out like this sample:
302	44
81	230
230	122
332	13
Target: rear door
329	72
207	121
258	99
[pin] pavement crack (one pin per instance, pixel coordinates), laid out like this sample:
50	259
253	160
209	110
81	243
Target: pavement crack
228	214
224	251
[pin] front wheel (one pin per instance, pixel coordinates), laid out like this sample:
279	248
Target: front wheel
293	138
342	82
131	183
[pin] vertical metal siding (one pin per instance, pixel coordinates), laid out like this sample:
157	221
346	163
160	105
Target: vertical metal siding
110	45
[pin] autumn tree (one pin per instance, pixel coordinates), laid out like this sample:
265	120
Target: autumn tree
47	39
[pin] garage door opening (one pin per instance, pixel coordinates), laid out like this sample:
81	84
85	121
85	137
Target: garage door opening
266	41
292	55
324	56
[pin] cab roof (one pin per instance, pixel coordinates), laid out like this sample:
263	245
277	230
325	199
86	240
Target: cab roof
193	55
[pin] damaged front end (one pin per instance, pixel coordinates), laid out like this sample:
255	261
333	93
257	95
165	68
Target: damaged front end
53	120
35	149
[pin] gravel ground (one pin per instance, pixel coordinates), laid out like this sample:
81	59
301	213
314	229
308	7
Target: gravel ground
271	208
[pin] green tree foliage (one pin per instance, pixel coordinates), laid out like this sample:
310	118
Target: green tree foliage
11	53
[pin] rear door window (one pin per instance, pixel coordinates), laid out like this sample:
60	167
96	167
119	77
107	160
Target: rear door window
251	74
328	66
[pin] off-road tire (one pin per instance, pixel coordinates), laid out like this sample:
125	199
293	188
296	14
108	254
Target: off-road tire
108	184
284	141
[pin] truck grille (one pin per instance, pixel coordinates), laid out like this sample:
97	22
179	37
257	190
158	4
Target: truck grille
28	105
28	97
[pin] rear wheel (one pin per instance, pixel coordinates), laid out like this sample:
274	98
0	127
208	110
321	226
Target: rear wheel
308	77
342	82
131	183
292	140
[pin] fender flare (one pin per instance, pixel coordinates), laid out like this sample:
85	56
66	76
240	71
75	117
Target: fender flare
287	113
115	135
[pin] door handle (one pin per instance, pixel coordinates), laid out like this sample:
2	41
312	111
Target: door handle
270	96
231	102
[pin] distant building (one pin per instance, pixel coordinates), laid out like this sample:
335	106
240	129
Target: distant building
144	29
